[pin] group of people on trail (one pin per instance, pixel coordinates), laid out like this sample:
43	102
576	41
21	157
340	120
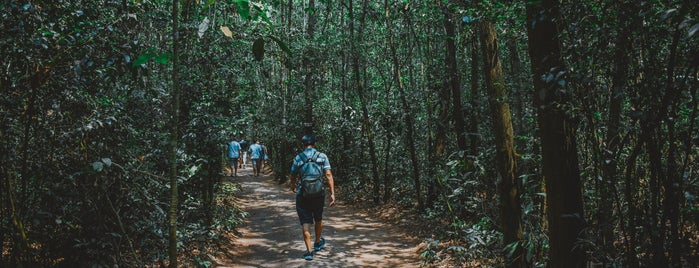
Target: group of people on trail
240	149
310	172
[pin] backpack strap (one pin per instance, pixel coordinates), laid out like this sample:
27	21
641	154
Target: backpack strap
315	156
303	157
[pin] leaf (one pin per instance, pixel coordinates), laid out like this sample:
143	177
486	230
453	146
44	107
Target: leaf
243	8
163	58
261	13
227	32
97	166
693	30
107	161
143	58
203	26
258	49
281	44
668	13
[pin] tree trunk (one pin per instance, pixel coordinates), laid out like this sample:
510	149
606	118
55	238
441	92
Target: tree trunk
613	137
387	180
453	82
473	132
174	137
309	83
407	115
508	186
518	91
443	115
560	170
366	123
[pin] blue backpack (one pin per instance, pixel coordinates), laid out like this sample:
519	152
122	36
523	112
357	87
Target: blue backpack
311	176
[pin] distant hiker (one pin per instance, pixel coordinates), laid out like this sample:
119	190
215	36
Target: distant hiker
255	153
233	155
307	171
264	155
244	147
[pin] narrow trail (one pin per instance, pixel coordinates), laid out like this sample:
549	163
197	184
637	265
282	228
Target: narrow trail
271	235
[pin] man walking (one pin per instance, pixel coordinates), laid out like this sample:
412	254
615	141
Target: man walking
310	209
255	154
233	155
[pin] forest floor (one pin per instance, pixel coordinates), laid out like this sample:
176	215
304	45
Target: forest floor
271	235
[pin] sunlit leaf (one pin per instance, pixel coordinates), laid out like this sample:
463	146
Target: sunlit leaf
693	30
227	32
203	26
668	13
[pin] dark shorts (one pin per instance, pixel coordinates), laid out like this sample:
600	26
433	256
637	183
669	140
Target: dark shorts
310	210
232	161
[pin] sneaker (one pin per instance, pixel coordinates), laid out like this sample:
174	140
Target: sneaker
319	245
308	256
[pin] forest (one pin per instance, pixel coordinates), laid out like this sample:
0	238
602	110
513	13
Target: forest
535	133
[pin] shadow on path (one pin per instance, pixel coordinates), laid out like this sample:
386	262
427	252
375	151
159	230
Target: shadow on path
271	235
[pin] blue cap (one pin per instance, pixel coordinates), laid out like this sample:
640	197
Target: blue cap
308	140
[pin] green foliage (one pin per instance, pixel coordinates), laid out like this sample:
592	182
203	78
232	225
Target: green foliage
83	121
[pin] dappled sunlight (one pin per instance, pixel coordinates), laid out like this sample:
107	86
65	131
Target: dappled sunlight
271	235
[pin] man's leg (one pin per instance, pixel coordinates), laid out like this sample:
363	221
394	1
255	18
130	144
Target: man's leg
235	167
318	230
254	167
307	236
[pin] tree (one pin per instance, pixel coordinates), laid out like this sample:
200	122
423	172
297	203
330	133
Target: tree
452	81
410	134
508	183
174	138
560	170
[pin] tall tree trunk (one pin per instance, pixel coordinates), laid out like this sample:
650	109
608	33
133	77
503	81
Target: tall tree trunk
558	140
613	137
672	184
407	115
387	179
473	132
366	123
518	90
452	80
174	137
509	186
309	82
346	110
443	115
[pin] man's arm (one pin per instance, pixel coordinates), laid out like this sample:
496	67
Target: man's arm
292	182
331	183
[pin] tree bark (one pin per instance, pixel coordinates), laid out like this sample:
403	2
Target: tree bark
309	82
508	186
407	115
174	137
561	173
473	132
613	137
453	82
366	123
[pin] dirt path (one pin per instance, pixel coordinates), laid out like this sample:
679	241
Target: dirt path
271	235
